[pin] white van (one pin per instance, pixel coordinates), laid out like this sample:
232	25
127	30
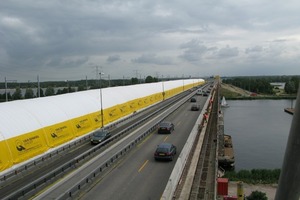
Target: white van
199	92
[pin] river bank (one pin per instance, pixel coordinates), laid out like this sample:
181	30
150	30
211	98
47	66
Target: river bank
268	189
259	130
231	92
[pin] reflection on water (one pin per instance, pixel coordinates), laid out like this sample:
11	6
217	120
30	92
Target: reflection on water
259	129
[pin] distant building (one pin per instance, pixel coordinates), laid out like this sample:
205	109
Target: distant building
278	84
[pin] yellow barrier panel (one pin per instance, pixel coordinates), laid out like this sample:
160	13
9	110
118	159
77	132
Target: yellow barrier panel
147	101
59	133
5	158
82	125
154	98
140	103
157	97
124	109
133	105
96	119
26	146
113	113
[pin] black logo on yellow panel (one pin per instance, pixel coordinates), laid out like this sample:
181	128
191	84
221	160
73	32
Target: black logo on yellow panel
19	146
53	135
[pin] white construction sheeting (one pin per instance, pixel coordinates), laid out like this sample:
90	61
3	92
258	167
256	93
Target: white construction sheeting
23	116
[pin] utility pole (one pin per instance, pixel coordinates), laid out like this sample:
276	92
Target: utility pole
108	80
137	75
39	89
86	83
6	99
101	112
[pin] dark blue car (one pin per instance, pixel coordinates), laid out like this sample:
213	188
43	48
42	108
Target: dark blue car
165	127
165	151
100	136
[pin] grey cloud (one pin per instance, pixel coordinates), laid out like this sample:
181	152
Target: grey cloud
194	50
113	58
227	52
45	36
152	59
58	62
255	49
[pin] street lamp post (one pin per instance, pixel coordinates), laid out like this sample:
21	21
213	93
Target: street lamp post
39	87
6	93
6	98
101	99
163	87
67	81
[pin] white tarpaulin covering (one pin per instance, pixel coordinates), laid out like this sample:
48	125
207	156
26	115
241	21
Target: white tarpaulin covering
21	117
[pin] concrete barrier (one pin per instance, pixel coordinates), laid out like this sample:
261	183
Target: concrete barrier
183	157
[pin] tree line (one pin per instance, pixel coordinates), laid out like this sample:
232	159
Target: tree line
261	84
63	87
254	176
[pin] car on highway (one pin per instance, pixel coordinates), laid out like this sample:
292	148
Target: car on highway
165	127
165	151
100	136
199	92
195	107
193	99
205	94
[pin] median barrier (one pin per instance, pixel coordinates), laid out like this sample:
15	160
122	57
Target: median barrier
91	174
180	163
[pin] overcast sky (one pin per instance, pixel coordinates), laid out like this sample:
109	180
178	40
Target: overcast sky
70	39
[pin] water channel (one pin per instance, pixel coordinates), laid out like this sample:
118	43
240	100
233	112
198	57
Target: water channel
259	129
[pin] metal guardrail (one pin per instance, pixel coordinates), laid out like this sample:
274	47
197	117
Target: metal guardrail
91	175
38	183
45	157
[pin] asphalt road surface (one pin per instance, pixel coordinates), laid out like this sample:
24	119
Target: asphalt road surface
138	175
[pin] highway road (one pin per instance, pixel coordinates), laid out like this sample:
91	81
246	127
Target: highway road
138	175
133	176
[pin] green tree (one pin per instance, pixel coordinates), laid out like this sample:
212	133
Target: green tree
9	96
81	88
244	174
134	81
150	79
17	94
257	195
71	89
254	175
65	90
49	91
59	91
289	87
2	97
29	93
41	93
295	80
